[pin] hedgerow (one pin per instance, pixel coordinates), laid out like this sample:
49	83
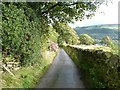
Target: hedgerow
22	33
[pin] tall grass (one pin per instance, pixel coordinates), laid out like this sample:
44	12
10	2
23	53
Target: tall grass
27	77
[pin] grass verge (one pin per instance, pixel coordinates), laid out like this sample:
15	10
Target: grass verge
27	77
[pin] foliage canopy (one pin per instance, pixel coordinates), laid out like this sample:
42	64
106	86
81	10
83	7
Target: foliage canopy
64	11
66	34
26	26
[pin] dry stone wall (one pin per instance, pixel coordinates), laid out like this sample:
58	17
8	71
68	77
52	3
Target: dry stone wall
99	67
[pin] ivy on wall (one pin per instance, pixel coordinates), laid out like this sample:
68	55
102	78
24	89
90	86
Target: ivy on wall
99	68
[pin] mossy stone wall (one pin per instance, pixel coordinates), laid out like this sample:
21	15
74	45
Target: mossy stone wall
99	68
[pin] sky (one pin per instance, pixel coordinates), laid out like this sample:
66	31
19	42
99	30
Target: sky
109	15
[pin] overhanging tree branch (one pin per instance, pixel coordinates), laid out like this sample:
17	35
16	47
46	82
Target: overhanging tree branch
49	9
58	4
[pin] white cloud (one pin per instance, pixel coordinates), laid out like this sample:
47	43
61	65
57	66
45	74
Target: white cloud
109	15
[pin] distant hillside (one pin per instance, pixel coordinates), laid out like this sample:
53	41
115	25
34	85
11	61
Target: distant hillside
99	31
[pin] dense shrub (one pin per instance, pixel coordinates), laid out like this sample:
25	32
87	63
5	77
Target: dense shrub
23	33
107	40
86	39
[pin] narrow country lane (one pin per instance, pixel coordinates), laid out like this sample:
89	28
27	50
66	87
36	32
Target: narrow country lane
62	74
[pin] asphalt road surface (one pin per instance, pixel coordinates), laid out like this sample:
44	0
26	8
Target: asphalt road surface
62	74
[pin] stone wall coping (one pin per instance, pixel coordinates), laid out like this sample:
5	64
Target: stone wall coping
92	47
